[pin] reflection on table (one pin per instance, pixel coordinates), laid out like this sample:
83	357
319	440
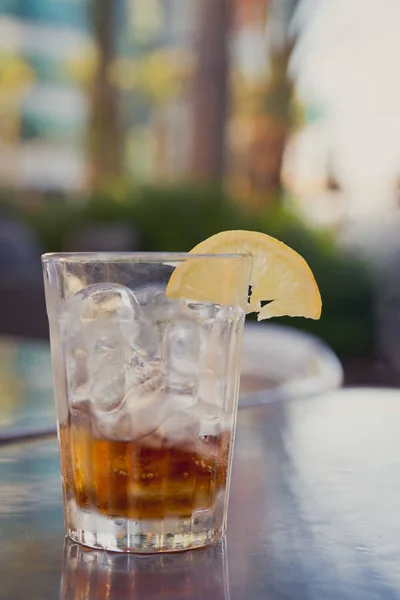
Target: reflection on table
97	575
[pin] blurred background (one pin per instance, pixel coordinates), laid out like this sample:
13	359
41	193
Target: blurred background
152	124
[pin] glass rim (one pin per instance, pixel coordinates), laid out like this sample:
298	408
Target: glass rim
133	257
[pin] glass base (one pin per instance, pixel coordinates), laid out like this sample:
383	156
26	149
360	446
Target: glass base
95	530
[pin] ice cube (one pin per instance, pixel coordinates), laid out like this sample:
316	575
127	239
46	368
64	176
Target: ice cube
157	311
212	419
138	415
181	427
214	369
100	330
76	371
151	296
108	301
138	370
112	372
181	353
96	375
149	411
202	312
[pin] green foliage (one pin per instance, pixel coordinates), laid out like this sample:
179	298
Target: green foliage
177	218
51	223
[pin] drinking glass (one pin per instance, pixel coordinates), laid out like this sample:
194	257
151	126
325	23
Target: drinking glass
146	391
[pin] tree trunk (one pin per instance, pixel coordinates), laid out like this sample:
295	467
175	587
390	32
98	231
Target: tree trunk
210	92
106	149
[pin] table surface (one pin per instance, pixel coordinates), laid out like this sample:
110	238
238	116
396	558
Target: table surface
26	389
314	515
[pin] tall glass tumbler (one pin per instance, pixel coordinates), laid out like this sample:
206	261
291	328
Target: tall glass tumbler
146	393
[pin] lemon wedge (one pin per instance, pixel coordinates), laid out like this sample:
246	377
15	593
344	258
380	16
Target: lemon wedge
279	276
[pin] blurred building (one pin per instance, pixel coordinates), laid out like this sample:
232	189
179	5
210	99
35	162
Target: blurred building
342	167
149	89
42	42
311	177
201	67
159	38
261	98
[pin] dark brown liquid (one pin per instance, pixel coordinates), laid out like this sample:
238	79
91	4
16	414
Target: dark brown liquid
142	479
